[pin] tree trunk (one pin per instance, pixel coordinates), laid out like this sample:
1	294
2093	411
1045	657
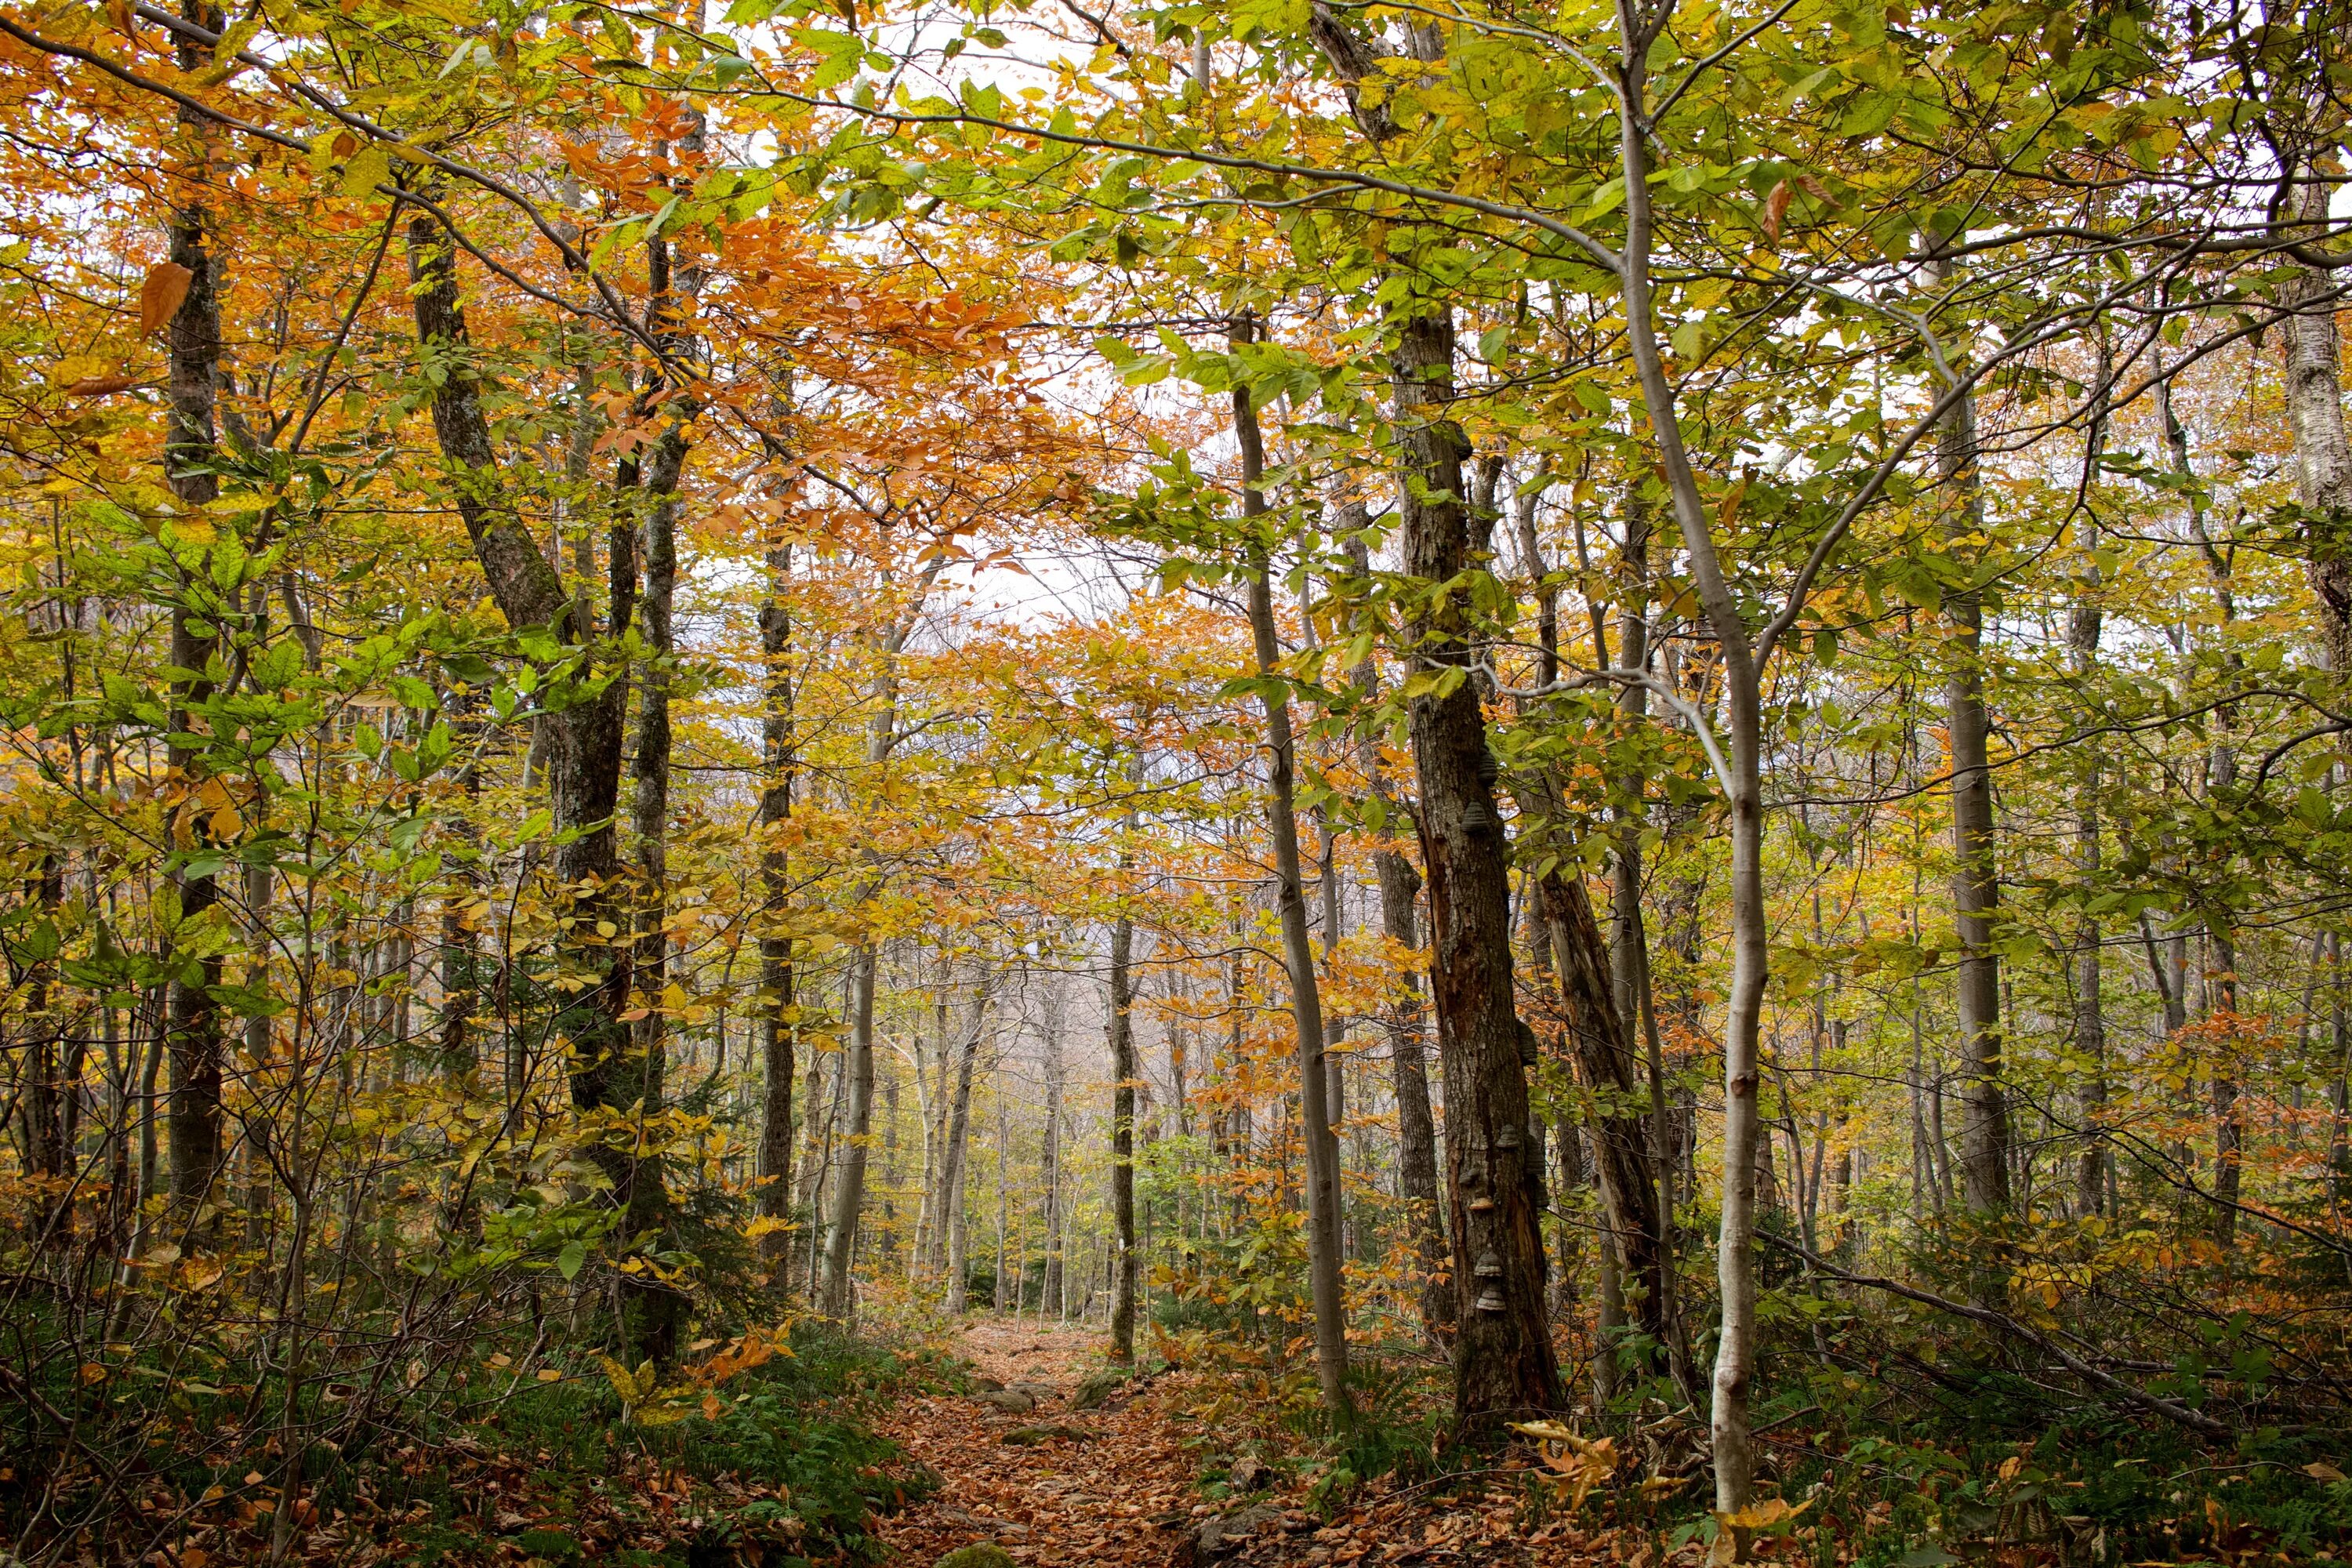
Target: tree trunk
2314	405
835	1292
1120	1026
660	1308
1052	1287
1290	903
1976	886
585	737
777	1015
194	344
949	1218
1503	1359
1740	775
1408	1060
2083	627
1600	1040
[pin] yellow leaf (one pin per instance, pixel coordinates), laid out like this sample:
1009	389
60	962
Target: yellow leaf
367	169
1549	1431
1764	1514
549	1374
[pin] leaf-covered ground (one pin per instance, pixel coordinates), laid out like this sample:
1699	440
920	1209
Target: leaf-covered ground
1121	1487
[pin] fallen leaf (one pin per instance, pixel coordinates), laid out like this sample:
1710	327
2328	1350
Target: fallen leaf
161	296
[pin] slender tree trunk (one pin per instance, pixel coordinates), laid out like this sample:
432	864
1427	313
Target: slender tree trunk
996	1298
1740	775
837	1287
2314	403
1120	1026
1400	886
1335	1027
660	1308
194	347
778	1014
1601	1040
1053	1287
1976	885
955	1146
2082	629
1306	994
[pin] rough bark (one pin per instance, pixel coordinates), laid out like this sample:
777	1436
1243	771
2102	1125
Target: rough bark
778	1014
1599	1037
193	338
583	739
1503	1359
1399	886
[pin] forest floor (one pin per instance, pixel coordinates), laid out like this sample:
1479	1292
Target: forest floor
1117	1486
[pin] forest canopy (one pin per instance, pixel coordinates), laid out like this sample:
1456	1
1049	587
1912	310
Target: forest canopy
1599	744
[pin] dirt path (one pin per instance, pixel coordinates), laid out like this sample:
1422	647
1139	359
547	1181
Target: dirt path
1114	1486
1117	1489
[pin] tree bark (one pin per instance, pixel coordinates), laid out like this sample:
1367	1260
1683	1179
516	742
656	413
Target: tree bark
1601	1038
1120	1026
661	1308
1503	1359
777	1015
1298	952
1400	886
1740	775
956	1147
2314	405
836	1293
191	435
1976	878
2082	629
1052	1287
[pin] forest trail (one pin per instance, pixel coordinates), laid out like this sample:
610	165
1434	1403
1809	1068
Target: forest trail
1119	1489
1111	1485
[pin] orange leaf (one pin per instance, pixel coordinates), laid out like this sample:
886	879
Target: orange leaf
99	385
160	295
1776	207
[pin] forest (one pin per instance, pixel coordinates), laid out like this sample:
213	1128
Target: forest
1155	781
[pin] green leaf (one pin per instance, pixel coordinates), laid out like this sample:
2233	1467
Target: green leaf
571	1259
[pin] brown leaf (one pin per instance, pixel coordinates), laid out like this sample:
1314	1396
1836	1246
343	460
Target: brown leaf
99	385
1776	207
160	296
